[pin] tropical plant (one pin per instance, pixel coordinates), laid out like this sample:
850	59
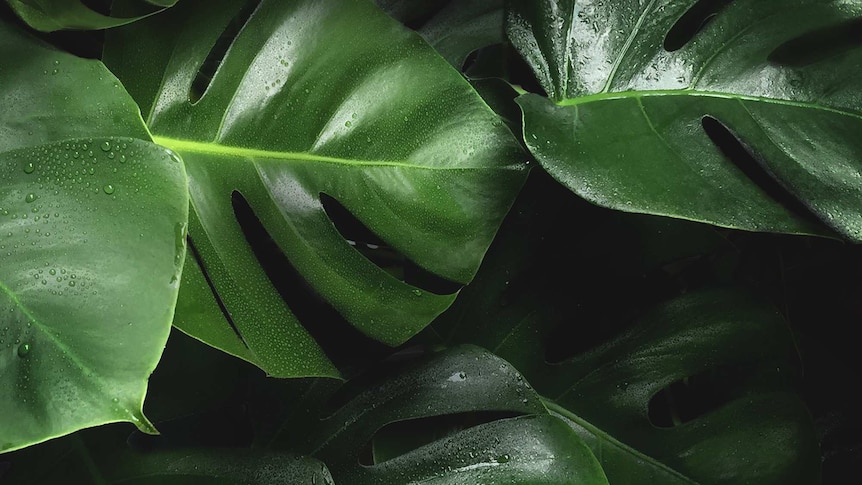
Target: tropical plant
430	241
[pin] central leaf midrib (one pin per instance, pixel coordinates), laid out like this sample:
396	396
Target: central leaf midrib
606	96
209	148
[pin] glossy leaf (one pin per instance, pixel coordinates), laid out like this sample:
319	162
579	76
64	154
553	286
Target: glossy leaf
92	222
751	122
758	430
317	98
531	447
621	382
51	15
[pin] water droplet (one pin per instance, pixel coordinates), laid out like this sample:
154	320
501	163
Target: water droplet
23	350
109	189
417	292
105	146
29	168
30	198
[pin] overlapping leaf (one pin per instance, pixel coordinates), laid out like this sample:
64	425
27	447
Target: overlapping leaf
751	122
314	98
456	28
92	220
532	447
51	15
738	420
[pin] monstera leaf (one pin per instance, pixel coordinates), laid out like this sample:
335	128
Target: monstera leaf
316	102
92	221
719	344
524	446
742	114
697	389
51	15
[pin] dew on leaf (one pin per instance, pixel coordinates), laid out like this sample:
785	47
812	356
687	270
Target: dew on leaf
23	350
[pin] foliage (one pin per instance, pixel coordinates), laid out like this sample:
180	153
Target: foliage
429	241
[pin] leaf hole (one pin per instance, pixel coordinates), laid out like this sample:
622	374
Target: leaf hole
691	22
100	6
410	13
745	160
689	398
401	437
818	45
338	338
216	55
385	257
193	250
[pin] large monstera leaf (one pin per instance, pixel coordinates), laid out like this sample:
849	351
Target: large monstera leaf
517	442
751	122
699	389
725	344
315	98
92	221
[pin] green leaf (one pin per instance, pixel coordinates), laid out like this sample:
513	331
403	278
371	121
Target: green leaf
92	222
462	27
531	447
615	362
758	430
317	98
52	15
629	122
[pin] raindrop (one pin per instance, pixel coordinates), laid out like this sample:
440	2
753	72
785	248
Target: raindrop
29	168
109	189
31	197
23	350
105	146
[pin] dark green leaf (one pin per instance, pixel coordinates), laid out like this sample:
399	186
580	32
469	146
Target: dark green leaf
92	221
530	447
726	129
101	456
560	307
753	428
210	466
316	98
51	15
463	27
